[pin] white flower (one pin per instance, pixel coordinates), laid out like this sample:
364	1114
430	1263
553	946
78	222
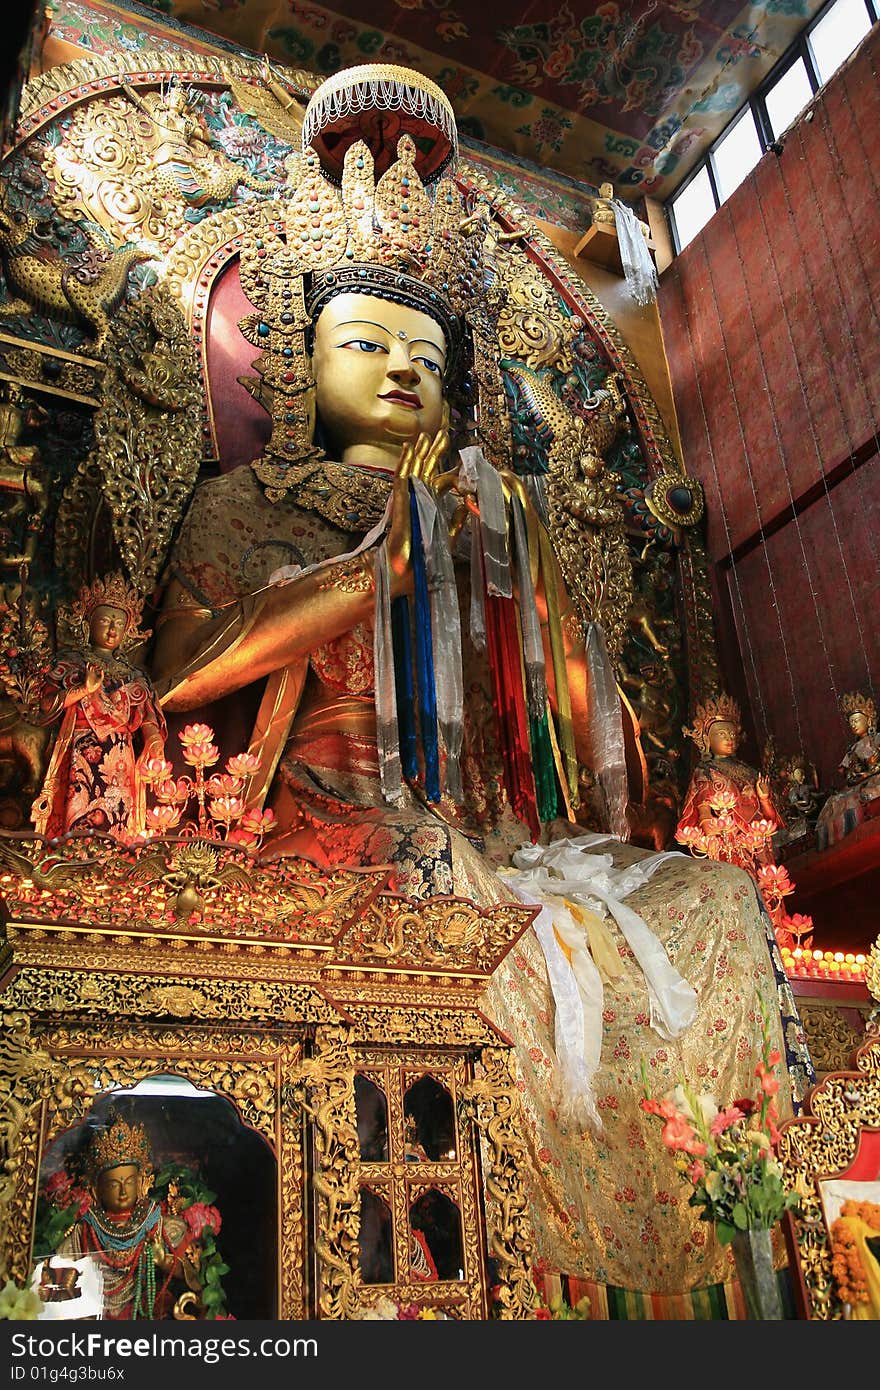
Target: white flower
682	1098
19	1305
384	1310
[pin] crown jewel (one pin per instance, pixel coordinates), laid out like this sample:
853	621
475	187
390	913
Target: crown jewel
710	712
117	1144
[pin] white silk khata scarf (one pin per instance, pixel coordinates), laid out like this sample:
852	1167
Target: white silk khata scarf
575	890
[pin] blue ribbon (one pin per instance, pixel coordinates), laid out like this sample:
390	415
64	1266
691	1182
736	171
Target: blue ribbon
425	659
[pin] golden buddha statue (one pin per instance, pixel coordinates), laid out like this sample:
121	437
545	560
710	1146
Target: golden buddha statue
728	802
858	770
148	1257
379	589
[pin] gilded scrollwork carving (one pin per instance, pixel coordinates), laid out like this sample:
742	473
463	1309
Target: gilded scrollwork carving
29	1076
832	1035
822	1143
491	1102
60	991
418	1023
323	1086
26	1072
147	449
450	933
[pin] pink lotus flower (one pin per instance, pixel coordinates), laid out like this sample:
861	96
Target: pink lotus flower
774	878
221	784
243	765
226	808
156	769
199	1215
246	838
161	818
259	822
196	733
201	754
172	791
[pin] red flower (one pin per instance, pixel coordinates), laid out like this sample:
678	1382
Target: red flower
58	1187
199	1215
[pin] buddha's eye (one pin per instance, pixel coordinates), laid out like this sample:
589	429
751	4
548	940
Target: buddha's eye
432	366
363	345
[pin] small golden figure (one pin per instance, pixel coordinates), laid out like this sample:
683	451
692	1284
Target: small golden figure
95	778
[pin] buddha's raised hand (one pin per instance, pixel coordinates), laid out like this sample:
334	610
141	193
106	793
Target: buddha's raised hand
420	458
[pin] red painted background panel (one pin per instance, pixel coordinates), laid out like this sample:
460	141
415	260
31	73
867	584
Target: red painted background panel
771	319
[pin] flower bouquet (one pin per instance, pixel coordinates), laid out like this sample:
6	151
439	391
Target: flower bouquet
727	1155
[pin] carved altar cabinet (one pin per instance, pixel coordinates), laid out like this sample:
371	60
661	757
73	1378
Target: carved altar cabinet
341	1022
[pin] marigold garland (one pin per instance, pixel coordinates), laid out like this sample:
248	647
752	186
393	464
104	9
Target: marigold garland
846	1263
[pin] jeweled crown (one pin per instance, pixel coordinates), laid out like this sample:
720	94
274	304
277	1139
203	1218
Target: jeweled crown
710	712
117	1144
854	702
111	591
389	237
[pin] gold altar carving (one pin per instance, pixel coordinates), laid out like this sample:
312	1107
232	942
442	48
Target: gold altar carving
25	1070
323	1086
822	1143
138	893
832	1033
491	1102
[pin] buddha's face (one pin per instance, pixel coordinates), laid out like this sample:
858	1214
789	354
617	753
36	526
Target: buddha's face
107	626
117	1188
722	738
858	722
379	373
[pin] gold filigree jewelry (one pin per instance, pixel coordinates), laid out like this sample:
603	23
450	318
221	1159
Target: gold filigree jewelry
675	500
711	711
350	577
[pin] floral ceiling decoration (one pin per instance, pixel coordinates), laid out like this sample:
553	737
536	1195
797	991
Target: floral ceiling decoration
632	93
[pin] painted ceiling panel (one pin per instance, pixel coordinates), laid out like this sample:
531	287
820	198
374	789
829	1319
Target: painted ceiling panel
628	92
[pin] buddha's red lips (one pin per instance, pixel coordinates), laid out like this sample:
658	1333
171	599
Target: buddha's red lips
403	398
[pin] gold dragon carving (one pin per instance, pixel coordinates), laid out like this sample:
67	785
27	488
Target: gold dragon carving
84	291
491	1102
323	1086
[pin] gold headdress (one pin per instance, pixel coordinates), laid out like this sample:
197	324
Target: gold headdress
710	712
111	591
388	236
117	1144
854	702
